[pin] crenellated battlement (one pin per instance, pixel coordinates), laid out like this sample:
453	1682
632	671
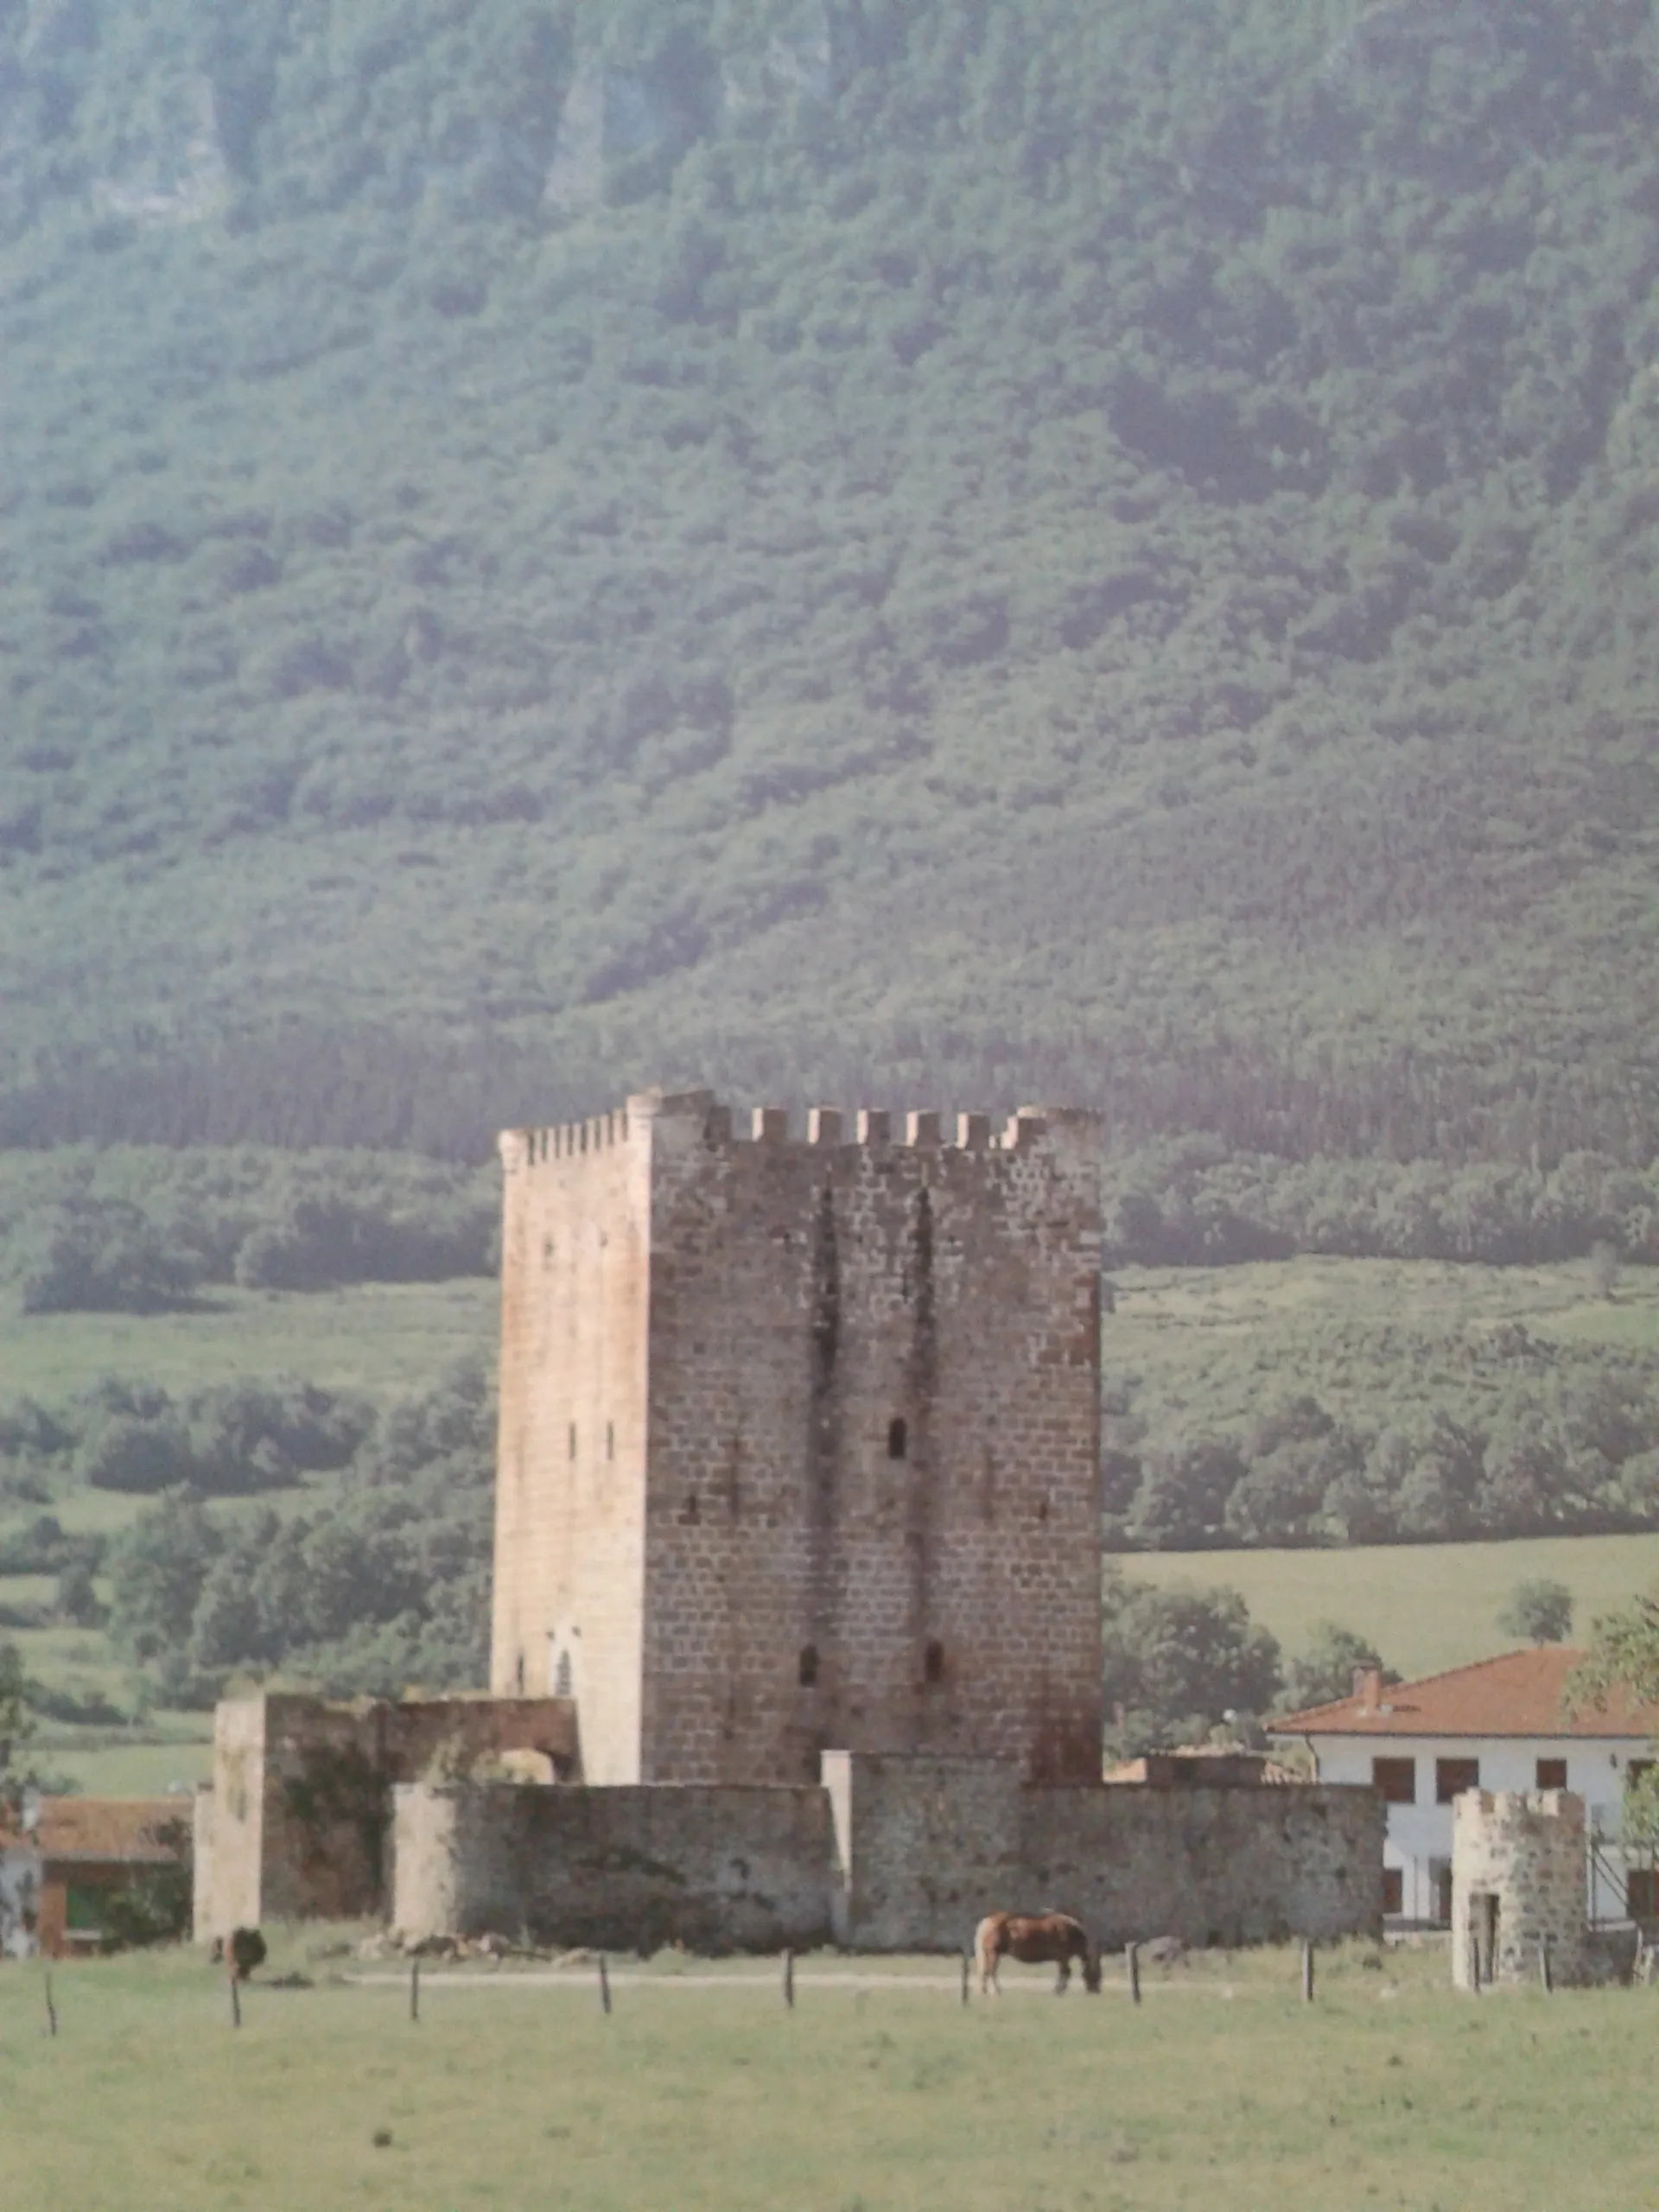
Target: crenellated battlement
827	1127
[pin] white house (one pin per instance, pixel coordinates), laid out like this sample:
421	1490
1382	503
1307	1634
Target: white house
1501	1724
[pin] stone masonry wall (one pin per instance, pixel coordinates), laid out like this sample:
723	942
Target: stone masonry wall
295	1820
230	1822
1525	1850
620	1868
843	1400
570	1470
890	1854
930	1845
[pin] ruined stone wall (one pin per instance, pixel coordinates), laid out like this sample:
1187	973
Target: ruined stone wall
798	1440
929	1847
619	1868
230	1825
204	1915
570	1473
325	1810
1524	1852
295	1823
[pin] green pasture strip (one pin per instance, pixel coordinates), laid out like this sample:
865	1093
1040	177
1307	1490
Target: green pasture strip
1390	2090
128	1770
1426	1606
383	1339
1375	1341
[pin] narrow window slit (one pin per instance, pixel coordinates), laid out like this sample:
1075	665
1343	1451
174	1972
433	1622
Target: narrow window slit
933	1660
898	1439
807	1672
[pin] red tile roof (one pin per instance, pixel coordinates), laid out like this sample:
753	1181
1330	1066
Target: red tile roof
123	1831
1518	1694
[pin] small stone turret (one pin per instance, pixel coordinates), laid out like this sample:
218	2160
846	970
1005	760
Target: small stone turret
1518	1881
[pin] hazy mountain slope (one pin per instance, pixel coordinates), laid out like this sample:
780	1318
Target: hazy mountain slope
1106	546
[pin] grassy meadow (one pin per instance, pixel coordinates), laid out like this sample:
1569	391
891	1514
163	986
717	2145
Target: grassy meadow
879	2091
378	1338
1373	1340
1425	1606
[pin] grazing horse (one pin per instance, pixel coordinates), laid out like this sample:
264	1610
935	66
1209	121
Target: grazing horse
1036	1940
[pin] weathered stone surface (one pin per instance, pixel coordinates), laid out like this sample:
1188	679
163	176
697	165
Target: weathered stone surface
620	1869
892	1854
798	1441
927	1846
295	1822
1518	1880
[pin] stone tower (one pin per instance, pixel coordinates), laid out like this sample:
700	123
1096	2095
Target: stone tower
798	1442
1518	1881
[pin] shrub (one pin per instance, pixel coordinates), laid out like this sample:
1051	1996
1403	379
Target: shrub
106	1258
138	1457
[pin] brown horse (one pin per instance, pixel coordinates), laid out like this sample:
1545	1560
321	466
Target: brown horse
1036	1940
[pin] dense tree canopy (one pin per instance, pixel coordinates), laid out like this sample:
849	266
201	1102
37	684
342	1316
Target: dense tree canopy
1103	548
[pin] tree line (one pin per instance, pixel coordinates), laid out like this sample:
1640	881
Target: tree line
1574	1453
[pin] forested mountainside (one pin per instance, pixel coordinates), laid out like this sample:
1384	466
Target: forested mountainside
939	549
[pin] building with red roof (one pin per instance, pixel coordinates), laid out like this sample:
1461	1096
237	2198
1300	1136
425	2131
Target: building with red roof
72	1863
1506	1723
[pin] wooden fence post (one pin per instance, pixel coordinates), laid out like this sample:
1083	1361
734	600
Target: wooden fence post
1546	1976
51	2010
1132	1961
789	1981
415	1990
1474	1963
604	1983
1307	1969
967	1977
236	2001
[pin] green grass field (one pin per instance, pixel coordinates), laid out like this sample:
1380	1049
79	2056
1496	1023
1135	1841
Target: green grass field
1373	1340
1221	2089
380	1337
152	1764
1425	1606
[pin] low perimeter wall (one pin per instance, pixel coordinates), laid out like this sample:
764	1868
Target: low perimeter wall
927	1846
622	1868
892	1854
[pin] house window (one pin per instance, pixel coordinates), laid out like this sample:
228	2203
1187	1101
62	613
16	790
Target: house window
1552	1774
898	1438
1641	1893
1394	1889
83	1910
1395	1780
1453	1777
